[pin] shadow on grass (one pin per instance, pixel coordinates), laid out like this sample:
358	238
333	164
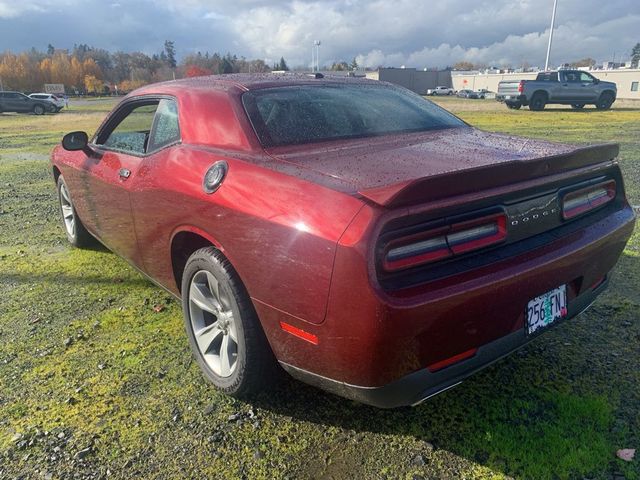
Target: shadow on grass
536	414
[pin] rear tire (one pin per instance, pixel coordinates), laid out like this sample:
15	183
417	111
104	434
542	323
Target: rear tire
605	101
77	234
38	110
538	102
577	106
217	308
513	106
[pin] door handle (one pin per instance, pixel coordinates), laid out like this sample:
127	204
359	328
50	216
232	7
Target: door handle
124	173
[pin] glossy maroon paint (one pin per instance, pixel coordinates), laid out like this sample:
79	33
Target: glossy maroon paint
300	225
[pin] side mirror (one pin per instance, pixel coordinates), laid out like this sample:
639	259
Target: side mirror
596	81
75	141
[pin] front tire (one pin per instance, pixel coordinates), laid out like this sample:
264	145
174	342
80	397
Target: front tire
605	101
222	326
38	110
513	106
77	234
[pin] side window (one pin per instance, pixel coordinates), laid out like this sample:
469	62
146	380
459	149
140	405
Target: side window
586	78
634	86
132	133
165	125
571	77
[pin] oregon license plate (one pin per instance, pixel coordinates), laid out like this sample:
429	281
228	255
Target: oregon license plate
546	309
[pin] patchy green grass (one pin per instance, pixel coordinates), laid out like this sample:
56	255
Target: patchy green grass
95	381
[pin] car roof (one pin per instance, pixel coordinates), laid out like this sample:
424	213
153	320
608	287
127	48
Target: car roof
249	81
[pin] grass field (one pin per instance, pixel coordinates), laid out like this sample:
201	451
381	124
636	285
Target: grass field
96	379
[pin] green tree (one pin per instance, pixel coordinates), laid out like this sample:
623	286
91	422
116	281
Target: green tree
170	52
354	64
50	50
283	65
635	56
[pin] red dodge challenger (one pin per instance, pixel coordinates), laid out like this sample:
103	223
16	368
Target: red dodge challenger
359	236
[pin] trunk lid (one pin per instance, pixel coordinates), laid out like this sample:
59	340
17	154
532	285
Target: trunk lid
398	170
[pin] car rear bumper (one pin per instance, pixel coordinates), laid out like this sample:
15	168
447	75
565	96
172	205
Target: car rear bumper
501	97
418	386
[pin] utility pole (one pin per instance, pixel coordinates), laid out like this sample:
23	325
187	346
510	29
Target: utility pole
553	21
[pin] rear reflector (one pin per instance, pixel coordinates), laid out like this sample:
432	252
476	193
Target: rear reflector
297	332
434	367
444	242
587	199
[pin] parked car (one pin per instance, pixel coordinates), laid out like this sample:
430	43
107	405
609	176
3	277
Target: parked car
19	103
484	93
58	102
361	237
441	91
467	94
566	87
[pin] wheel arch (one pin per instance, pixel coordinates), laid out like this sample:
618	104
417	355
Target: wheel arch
184	241
56	173
608	92
540	92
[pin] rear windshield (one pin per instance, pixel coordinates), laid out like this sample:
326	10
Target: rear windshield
305	114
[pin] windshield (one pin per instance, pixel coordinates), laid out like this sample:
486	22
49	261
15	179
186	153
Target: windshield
305	114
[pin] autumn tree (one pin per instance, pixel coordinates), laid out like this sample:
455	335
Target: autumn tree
196	71
463	66
92	84
585	62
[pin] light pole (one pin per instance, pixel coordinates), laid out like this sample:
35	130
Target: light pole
316	43
553	21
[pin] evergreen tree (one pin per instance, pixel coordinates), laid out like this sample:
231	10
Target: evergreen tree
50	50
170	53
283	65
354	64
635	56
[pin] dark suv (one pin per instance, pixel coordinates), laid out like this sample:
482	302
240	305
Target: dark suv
20	103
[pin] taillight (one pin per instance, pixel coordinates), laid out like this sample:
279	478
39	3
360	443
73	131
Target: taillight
521	86
589	198
444	242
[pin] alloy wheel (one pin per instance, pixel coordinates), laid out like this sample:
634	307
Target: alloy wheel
67	211
213	323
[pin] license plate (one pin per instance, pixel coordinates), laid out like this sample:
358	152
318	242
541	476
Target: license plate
508	97
546	309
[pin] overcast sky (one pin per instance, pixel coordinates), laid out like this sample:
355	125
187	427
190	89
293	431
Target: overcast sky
415	33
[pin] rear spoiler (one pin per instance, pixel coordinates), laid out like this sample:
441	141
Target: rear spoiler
486	177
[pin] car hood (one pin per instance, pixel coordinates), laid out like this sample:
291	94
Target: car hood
380	168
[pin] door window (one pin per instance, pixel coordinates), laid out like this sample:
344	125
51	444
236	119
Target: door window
143	128
131	135
165	129
585	78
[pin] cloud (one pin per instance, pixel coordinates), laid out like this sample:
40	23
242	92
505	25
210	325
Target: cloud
378	32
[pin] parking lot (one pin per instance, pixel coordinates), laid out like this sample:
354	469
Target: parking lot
97	381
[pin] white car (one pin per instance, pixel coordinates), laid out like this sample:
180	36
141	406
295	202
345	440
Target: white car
57	101
441	91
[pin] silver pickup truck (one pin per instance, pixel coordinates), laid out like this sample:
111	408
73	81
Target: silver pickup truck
567	87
